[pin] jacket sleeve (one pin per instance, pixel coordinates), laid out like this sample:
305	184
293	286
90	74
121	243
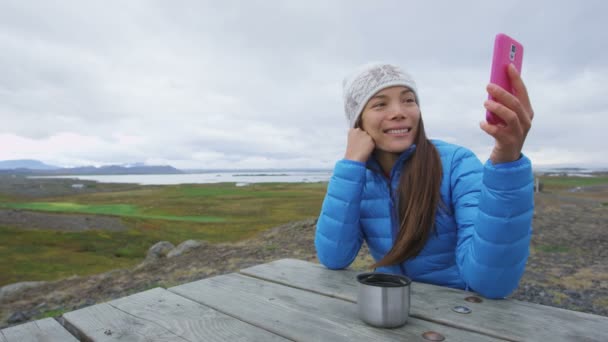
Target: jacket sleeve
493	207
339	237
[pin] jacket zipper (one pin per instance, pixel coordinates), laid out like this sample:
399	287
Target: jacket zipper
392	209
394	218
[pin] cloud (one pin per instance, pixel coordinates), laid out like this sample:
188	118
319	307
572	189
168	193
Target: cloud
258	83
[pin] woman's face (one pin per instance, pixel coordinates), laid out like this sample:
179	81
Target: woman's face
391	118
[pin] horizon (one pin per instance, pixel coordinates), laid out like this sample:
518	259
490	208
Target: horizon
139	164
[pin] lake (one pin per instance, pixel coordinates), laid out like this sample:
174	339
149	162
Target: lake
252	176
239	177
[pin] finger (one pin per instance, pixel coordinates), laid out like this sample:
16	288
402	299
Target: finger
519	88
507	99
490	129
503	96
362	132
506	114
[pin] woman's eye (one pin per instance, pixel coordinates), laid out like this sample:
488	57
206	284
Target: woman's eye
408	100
379	104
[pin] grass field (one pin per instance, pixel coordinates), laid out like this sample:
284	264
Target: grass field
122	210
212	212
561	183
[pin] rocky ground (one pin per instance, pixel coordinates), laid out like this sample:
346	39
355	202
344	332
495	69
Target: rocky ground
568	267
26	187
56	221
569	264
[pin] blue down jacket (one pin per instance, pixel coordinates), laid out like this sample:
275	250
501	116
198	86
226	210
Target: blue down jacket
481	240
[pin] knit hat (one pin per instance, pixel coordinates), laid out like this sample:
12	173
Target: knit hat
369	79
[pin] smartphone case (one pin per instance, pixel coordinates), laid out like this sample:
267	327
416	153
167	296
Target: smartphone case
506	51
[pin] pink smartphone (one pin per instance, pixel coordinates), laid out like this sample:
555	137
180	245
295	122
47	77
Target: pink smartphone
506	51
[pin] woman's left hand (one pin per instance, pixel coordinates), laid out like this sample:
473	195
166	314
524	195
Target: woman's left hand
516	111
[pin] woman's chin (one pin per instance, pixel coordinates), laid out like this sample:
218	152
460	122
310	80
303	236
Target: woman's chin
395	148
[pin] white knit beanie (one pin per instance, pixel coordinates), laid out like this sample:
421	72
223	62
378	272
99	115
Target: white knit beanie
369	79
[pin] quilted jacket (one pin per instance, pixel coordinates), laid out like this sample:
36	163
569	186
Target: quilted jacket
482	233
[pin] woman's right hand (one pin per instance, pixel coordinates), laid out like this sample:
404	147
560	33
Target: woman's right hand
360	145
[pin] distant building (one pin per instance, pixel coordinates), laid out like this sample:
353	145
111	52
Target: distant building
78	186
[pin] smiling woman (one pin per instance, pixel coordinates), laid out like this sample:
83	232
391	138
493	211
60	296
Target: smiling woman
391	136
428	209
392	120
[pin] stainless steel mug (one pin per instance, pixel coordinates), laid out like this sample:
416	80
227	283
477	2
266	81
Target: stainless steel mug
383	299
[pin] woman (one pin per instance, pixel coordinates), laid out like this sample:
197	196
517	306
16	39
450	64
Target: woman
428	209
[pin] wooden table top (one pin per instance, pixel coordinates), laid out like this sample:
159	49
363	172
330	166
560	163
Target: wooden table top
296	300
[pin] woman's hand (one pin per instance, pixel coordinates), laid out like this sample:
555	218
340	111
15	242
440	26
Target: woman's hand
516	111
360	145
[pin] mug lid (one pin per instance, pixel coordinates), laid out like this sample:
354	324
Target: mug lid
383	279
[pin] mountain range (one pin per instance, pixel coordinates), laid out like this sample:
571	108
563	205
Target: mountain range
36	167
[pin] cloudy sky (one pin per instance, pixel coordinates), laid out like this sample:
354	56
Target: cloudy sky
257	84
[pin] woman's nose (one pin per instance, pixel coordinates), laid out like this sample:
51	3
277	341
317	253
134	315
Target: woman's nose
396	110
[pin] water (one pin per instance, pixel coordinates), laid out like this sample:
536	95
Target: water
569	171
241	178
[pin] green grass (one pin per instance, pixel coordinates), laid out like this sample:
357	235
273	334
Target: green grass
552	249
211	212
568	182
48	255
105	209
52	313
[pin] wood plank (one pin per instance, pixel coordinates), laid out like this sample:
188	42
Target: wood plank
507	319
46	329
102	322
301	315
158	314
189	319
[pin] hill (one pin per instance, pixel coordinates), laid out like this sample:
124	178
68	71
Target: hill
28	164
37	168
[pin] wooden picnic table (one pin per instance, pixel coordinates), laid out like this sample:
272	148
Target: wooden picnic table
301	301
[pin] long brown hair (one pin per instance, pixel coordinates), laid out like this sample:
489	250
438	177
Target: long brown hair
418	200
